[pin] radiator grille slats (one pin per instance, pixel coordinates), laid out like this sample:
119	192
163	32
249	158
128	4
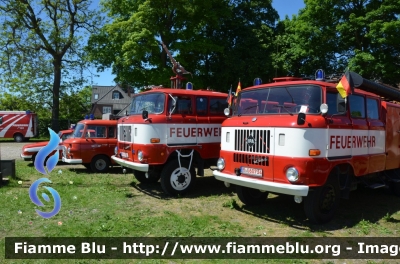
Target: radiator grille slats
125	133
252	140
251	159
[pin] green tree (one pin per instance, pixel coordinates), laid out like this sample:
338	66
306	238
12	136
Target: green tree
218	41
41	48
335	35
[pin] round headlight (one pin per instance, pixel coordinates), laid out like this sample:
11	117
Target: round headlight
115	150
292	174
221	164
140	155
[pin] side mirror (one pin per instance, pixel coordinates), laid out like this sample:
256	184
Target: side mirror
301	118
145	114
227	112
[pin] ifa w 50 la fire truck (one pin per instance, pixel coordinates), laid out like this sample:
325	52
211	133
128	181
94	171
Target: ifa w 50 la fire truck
169	132
20	125
302	138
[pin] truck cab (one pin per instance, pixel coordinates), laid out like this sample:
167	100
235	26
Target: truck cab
170	132
91	144
300	137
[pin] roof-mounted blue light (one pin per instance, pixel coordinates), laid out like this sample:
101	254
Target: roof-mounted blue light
28	111
91	116
319	75
86	117
189	86
257	81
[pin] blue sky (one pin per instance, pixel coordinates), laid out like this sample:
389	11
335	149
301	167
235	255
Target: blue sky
284	7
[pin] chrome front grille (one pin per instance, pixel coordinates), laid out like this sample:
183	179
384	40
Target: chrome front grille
251	159
125	133
252	140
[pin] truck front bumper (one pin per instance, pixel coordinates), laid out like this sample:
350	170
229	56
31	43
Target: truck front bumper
132	165
297	190
26	157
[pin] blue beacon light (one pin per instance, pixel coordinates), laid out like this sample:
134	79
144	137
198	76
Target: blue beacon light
189	86
319	75
257	81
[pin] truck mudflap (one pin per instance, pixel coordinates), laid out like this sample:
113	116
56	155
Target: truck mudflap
297	190
131	165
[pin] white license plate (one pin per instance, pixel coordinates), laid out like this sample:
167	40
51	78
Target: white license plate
124	155
251	171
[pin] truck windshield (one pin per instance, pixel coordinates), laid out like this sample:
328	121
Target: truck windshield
279	100
78	130
152	103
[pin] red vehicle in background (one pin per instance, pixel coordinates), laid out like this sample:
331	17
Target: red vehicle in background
92	144
20	125
29	151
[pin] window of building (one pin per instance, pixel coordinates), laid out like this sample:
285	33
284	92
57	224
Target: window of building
357	106
96	96
106	109
115	95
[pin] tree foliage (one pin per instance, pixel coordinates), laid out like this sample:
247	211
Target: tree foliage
41	48
219	41
357	34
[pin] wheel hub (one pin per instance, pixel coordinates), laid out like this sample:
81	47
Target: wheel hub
180	179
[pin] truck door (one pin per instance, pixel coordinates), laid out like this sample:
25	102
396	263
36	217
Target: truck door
181	121
96	142
339	132
360	134
376	137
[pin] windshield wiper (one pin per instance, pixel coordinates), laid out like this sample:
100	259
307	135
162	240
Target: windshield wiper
289	94
247	108
282	106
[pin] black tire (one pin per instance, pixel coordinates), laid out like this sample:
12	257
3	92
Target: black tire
250	196
322	202
141	177
395	188
100	163
18	137
176	180
87	166
33	158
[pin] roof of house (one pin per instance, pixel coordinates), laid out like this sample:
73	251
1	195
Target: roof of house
105	96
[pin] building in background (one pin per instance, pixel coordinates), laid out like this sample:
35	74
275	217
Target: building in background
110	100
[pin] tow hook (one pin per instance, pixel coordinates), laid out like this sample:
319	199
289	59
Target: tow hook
124	171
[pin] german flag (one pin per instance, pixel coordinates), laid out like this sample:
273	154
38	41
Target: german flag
344	86
239	87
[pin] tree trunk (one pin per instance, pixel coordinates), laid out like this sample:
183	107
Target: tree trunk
55	122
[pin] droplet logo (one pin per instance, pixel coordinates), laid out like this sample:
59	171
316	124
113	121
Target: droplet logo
40	163
35	198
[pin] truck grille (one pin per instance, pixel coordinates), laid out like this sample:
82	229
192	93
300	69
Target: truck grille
125	133
251	159
252	140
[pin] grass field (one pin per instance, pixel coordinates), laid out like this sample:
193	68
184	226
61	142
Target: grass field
116	205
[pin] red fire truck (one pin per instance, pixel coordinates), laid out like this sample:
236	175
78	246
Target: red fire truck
20	125
169	132
301	138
